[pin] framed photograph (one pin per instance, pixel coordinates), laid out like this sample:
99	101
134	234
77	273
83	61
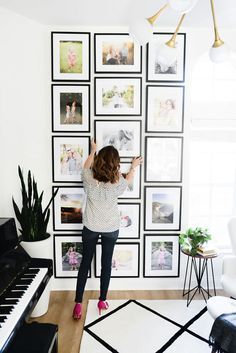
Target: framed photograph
70	108
129	220
133	190
70	56
117	96
164	108
125	260
162	207
68	254
124	135
69	154
68	207
163	161
161	255
162	72
116	53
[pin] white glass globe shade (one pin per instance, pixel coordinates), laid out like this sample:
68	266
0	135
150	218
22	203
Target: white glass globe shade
141	31
219	54
182	6
166	56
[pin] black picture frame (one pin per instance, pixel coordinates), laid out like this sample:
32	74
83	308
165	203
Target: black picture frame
165	111
171	73
168	169
122	134
80	38
65	259
165	260
117	66
64	148
133	191
162	208
116	273
116	105
70	95
65	217
130	214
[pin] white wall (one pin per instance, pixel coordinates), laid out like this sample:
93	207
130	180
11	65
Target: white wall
25	124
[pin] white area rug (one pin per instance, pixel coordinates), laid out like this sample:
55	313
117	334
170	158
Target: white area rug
147	326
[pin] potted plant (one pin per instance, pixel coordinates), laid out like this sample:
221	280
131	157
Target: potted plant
192	239
32	218
34	236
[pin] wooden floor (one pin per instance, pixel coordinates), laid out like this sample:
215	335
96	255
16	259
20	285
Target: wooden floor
70	331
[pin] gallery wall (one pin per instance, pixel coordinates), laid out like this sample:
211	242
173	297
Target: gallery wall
26	133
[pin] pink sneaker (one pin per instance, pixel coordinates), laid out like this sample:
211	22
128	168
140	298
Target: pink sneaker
77	311
102	305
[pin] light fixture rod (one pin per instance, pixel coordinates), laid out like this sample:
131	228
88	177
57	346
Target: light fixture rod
218	42
171	42
153	18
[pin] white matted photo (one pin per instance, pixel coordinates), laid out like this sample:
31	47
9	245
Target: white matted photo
159	71
70	108
161	255
165	108
116	53
118	96
70	56
68	254
162	208
68	207
125	260
124	135
163	161
129	220
133	191
69	155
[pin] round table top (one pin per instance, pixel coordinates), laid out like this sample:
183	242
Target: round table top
199	256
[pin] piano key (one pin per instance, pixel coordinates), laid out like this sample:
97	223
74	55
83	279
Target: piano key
2	318
9	301
18	310
21	286
28	275
24	281
6	309
14	294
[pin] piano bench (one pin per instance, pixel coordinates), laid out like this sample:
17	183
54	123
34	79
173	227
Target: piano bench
35	338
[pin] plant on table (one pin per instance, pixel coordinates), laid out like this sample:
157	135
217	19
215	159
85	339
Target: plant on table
193	238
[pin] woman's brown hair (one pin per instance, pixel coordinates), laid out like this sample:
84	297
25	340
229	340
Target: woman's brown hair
106	165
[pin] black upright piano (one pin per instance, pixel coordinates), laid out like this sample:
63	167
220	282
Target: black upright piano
22	281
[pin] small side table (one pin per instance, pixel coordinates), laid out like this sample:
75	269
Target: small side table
198	264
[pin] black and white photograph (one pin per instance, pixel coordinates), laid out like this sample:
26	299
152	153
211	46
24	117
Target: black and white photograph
162	208
125	260
68	207
161	255
124	135
70	108
159	69
117	96
163	162
116	53
129	220
69	155
68	254
164	108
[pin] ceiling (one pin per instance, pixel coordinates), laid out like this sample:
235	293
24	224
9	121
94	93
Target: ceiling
119	12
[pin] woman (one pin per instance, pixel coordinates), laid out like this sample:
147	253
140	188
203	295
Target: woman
103	183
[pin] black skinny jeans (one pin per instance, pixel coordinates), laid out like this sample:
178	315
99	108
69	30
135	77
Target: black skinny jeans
90	239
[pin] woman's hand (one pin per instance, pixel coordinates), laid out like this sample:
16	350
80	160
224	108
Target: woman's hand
136	162
93	146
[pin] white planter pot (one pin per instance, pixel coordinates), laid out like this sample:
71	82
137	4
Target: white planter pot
41	249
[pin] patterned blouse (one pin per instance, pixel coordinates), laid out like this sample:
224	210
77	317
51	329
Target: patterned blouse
101	212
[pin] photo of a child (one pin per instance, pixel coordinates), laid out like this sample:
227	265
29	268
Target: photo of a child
161	257
71	255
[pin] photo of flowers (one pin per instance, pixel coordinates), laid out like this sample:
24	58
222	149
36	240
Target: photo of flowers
161	255
117	96
116	53
70	56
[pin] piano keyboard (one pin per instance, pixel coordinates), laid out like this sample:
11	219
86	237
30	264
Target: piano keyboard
14	301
